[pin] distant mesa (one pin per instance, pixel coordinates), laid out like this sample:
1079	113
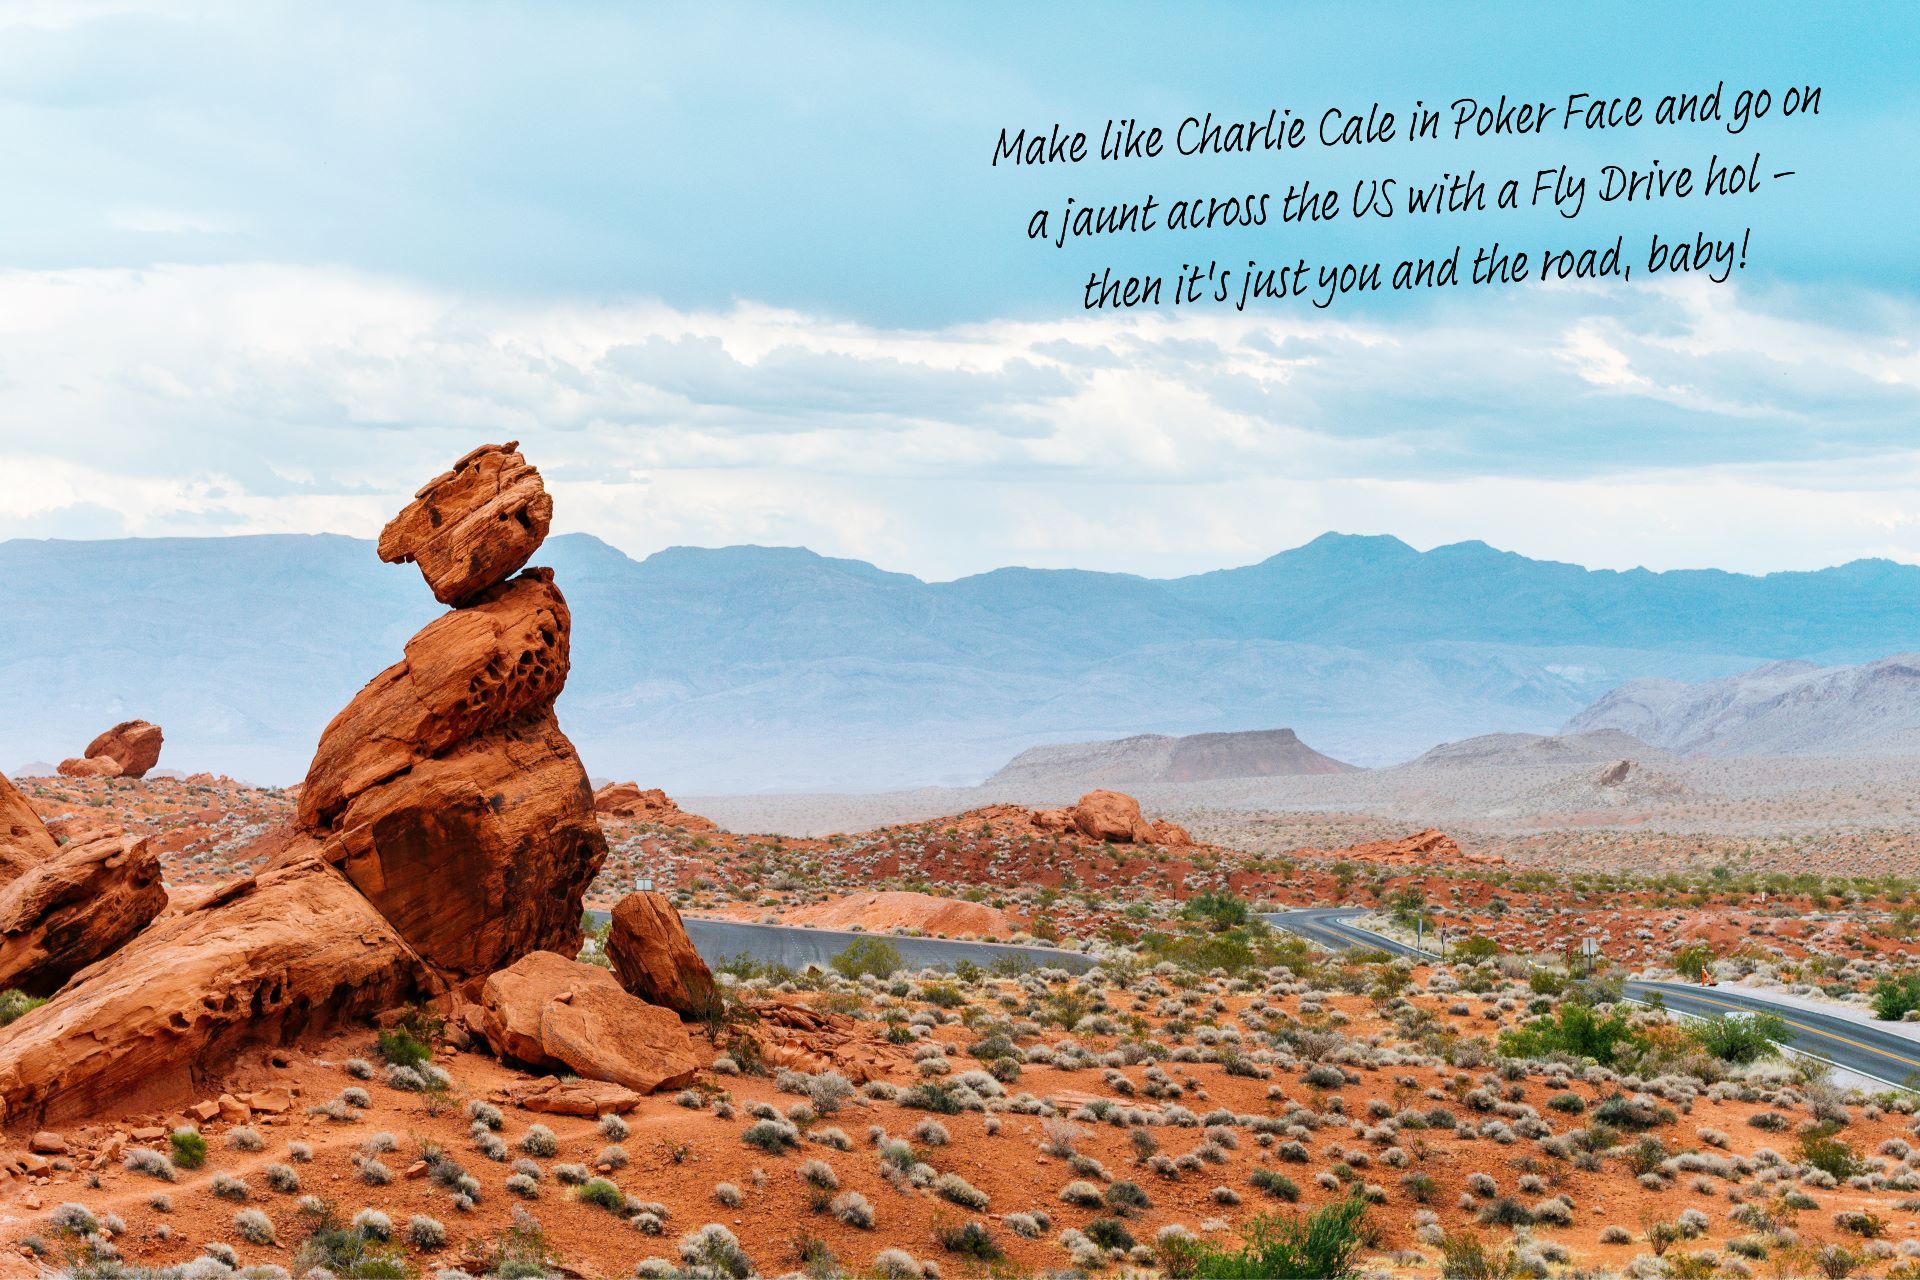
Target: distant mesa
1779	709
128	750
1148	759
1608	747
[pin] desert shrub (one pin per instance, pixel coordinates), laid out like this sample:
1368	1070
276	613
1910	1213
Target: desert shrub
728	1194
281	1177
1276	1184
399	1048
538	1140
1570	1103
1576	1030
148	1161
15	1003
1631	1113
970	1240
189	1148
613	1128
1218	910
1465	1256
600	1192
717	1250
425	1232
228	1187
1505	1211
867	956
1125	1197
613	1156
1738	1037
1819	1148
820	1175
523	1186
373	1224
1318	1246
485	1113
245	1138
253	1226
775	1137
1082	1193
933	1095
1895	996
853	1209
1110	1233
951	1186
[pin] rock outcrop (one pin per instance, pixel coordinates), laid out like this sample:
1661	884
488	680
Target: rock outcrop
128	750
552	1013
474	526
654	959
62	907
1112	816
259	963
445	829
629	800
445	791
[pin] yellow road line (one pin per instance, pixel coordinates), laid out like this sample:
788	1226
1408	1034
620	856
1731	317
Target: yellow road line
1810	1030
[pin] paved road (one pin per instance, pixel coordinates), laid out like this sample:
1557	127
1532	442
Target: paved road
1868	1050
796	948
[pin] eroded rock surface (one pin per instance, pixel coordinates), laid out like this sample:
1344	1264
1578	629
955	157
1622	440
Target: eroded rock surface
128	750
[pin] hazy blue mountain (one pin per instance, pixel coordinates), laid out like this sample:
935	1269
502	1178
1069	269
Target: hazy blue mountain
746	668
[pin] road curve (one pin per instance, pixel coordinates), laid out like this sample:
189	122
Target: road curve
1868	1050
796	948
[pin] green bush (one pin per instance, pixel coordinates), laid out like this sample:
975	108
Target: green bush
1276	1184
1740	1037
1219	909
864	956
189	1148
598	1191
1476	947
1576	1030
1895	997
1819	1148
400	1048
15	1002
1319	1246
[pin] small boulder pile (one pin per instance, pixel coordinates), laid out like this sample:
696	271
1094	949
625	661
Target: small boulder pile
1113	817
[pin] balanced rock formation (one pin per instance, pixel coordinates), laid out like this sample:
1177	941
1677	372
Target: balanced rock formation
628	800
474	526
654	959
1114	817
128	750
445	791
259	963
549	1012
64	906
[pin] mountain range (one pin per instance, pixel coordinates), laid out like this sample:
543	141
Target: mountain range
759	668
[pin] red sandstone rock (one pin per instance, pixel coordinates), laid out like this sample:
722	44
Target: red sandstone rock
1111	816
802	1038
547	1011
132	744
627	800
265	960
480	855
654	959
574	1097
1171	834
84	902
474	526
99	767
64	906
448	794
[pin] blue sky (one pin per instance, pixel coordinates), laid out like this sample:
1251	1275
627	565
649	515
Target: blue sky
742	273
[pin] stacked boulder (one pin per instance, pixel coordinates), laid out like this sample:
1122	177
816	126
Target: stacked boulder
443	844
1114	817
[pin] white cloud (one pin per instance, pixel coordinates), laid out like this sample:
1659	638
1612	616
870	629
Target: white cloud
1665	426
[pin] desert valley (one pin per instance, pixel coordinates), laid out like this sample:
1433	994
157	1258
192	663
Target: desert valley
1217	1004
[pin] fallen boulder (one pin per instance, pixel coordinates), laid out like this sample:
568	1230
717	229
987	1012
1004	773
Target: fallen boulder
573	1097
1111	816
128	750
262	962
548	1012
654	959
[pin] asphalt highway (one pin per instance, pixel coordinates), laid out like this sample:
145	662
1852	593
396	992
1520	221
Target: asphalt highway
796	948
1865	1049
